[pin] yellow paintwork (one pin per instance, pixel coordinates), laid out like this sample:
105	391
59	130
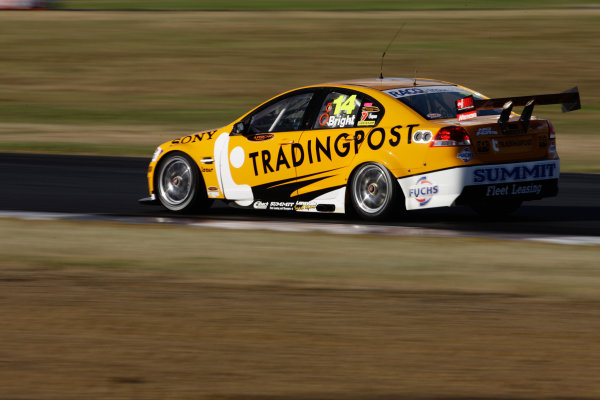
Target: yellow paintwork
386	143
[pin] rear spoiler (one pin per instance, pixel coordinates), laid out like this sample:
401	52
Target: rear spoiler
466	107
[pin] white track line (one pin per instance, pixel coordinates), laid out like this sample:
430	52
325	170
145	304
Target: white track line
284	226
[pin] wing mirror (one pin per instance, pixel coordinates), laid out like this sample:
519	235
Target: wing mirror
239	128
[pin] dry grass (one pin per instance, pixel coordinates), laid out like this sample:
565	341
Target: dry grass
100	311
102	75
268	258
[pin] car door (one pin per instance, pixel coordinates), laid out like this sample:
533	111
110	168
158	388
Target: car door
262	158
343	123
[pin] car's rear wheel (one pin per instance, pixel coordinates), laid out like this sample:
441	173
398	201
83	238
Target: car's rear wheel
179	184
374	192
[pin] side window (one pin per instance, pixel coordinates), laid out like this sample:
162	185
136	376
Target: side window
339	110
282	116
370	113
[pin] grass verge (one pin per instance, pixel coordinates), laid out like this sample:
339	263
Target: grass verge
177	72
348	262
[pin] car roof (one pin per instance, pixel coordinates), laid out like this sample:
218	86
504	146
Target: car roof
390	83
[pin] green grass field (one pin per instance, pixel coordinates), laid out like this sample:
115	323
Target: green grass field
121	82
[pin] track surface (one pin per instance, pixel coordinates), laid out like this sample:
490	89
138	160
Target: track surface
112	185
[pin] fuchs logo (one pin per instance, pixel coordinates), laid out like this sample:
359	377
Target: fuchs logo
423	191
466	154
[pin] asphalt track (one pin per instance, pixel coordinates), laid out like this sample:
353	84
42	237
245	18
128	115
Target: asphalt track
112	186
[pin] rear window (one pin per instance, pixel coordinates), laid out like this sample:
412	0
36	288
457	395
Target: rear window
436	102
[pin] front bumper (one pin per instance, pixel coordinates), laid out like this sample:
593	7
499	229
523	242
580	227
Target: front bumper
463	185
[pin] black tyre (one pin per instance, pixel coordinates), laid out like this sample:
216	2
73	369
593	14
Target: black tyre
374	192
179	184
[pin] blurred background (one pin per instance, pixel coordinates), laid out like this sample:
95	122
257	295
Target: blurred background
99	310
107	77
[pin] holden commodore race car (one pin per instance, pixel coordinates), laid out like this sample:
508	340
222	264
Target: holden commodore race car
372	146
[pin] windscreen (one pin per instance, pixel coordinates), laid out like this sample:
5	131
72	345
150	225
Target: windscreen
436	102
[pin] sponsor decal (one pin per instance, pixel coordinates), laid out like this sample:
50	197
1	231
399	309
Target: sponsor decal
486	131
260	137
465	155
467	115
513	142
156	154
197	137
366	123
552	148
367	118
339	113
285	205
212	191
259	205
434	115
322	148
305	206
282	205
495	145
368	107
465	108
206	169
511	173
512	190
423	191
399	93
483	146
465	104
339	121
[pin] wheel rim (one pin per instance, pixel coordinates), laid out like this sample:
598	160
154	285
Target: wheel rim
176	181
371	189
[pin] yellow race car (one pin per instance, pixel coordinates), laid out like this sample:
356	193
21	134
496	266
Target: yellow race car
373	146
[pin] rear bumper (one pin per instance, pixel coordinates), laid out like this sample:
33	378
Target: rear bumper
463	185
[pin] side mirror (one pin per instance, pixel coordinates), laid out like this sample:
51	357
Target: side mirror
239	128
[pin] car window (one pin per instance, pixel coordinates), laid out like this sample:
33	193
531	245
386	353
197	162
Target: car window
339	110
282	116
370	113
436	102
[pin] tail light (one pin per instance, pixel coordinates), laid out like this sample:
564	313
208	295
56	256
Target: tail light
451	136
551	131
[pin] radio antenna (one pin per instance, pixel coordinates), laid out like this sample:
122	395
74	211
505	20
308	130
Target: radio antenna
386	49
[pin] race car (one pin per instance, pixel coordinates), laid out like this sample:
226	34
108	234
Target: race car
373	147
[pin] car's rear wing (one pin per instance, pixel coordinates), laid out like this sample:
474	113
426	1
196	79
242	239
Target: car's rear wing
467	107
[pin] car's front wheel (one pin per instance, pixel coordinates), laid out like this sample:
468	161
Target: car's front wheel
374	192
178	183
